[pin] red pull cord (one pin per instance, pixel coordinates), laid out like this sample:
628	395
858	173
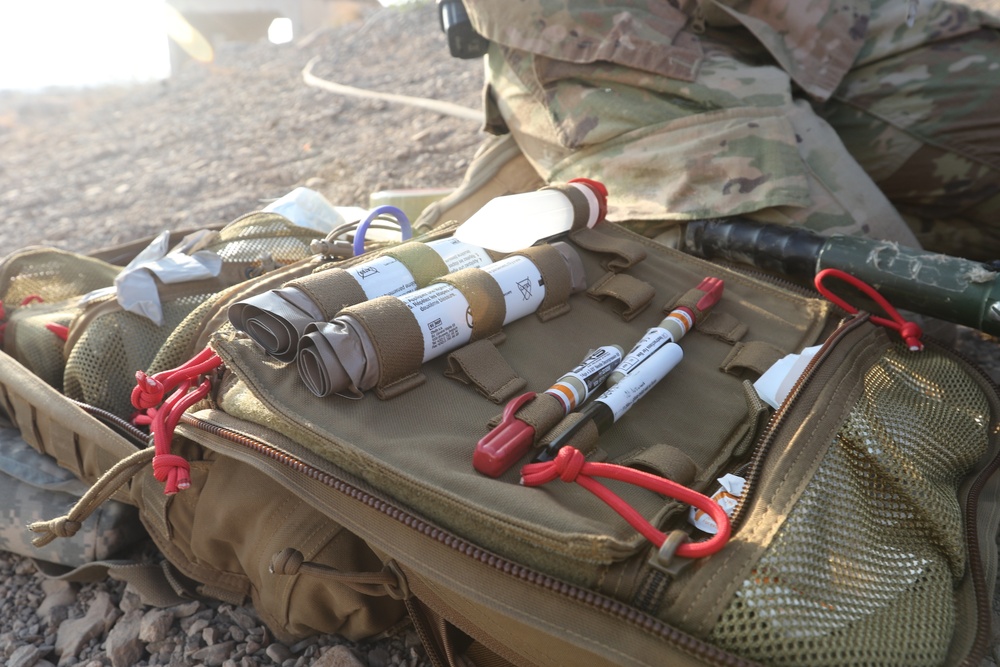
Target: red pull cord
169	468
570	465
26	301
909	331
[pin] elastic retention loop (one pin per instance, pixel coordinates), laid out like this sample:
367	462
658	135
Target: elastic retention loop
171	469
909	331
570	465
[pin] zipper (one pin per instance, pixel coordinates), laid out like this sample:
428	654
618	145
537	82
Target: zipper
610	606
984	609
753	468
755	465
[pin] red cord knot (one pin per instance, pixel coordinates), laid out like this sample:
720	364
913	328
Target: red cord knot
566	466
147	392
910	332
568	463
174	471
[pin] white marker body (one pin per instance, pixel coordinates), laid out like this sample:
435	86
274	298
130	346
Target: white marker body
632	387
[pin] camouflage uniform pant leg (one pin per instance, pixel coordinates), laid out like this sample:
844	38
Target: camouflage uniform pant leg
733	142
920	114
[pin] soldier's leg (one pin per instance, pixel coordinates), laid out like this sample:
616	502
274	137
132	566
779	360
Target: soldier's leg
732	142
920	115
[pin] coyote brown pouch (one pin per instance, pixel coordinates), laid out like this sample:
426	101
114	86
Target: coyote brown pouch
865	532
867	512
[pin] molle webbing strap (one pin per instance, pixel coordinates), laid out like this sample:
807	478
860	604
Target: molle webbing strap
486	303
542	414
622	253
420	260
331	290
631	294
397	340
481	365
722	326
664	460
555	277
756	356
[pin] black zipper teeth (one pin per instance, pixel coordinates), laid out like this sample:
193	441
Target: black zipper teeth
982	643
983	604
134	433
613	607
755	465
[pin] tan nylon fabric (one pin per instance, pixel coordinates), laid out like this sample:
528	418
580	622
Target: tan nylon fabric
556	277
52	275
39	286
486	303
331	290
553	528
27	339
864	568
395	334
421	261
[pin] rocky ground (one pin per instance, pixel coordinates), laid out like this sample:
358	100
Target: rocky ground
81	170
86	169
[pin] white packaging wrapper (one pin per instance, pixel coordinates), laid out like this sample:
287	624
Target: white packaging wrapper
727	497
773	386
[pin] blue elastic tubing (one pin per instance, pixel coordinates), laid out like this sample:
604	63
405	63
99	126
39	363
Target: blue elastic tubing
359	235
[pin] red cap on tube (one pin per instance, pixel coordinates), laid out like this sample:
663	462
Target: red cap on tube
599	190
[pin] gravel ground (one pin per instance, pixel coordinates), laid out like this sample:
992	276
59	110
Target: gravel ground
81	170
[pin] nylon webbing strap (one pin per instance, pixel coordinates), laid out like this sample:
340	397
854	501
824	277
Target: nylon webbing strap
631	294
420	260
754	355
581	206
398	342
664	460
149	580
486	303
481	365
622	253
722	326
555	277
331	290
542	414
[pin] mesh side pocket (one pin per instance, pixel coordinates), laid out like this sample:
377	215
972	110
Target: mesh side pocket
100	370
113	345
259	237
38	349
864	568
51	275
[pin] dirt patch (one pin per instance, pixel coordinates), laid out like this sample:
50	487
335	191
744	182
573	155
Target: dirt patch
84	169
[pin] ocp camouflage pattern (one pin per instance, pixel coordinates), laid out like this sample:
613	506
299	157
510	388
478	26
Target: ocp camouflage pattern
842	117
